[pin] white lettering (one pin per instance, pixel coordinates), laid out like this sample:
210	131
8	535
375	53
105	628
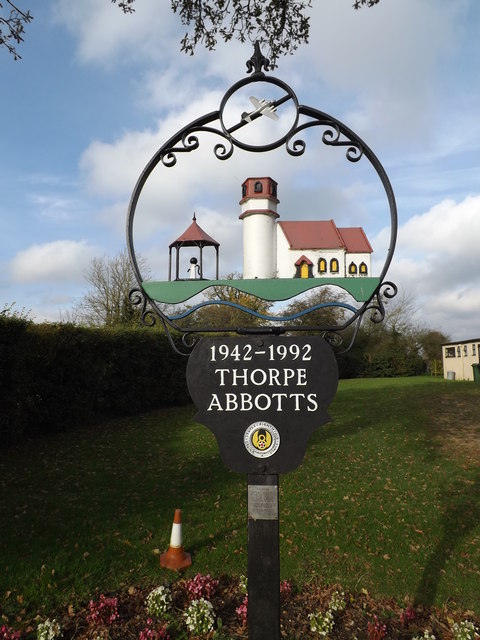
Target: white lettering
222	375
263	402
279	397
312	399
231	403
239	374
302	377
297	397
271	377
246	402
261	380
267	404
214	403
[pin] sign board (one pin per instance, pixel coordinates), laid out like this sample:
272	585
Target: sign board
262	397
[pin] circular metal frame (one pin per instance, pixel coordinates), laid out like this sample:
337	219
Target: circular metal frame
335	134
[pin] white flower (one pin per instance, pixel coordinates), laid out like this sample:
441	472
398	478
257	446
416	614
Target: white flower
321	623
337	601
48	630
200	617
426	636
158	601
243	584
465	630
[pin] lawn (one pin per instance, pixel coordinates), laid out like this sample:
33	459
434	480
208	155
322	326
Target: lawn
387	502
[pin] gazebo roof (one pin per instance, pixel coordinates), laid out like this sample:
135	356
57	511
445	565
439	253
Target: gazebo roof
194	236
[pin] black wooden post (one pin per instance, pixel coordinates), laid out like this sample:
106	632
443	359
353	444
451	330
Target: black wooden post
263	558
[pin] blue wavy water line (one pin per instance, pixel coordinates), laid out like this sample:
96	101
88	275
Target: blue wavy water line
251	312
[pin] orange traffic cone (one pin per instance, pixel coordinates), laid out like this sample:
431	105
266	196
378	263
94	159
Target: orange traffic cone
176	557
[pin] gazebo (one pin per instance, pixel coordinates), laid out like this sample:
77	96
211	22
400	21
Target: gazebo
194	236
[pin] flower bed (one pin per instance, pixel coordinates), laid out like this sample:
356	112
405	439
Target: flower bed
204	607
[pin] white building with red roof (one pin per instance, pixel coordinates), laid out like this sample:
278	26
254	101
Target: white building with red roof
296	249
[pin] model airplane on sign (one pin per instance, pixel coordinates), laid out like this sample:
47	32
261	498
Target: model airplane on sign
262	107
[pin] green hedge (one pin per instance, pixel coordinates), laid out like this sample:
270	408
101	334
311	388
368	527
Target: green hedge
57	376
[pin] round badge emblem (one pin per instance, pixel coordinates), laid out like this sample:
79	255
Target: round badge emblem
261	439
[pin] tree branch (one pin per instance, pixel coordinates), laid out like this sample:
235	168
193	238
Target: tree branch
12	28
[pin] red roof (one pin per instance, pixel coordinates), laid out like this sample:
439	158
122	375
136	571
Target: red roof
355	240
312	234
324	234
301	260
195	236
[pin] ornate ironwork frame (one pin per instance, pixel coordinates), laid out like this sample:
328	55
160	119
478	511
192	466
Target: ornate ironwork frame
335	134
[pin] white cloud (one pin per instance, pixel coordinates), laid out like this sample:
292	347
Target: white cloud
55	208
53	261
436	262
104	34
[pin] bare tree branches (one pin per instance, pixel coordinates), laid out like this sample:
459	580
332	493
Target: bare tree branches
12	21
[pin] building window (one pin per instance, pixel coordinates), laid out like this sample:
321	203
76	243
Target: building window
334	265
474	352
244	190
352	269
322	265
258	187
459	352
273	188
450	352
363	269
465	349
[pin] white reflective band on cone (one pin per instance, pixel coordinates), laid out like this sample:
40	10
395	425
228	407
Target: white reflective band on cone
176	537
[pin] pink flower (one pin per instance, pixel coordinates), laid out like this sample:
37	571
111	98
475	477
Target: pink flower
201	587
375	630
407	616
285	587
103	612
242	611
9	634
153	633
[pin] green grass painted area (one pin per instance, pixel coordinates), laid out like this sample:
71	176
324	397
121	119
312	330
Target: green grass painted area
176	291
387	499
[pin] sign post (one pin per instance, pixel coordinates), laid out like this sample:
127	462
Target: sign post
263	558
262	397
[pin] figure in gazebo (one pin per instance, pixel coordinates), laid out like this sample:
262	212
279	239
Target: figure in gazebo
194	236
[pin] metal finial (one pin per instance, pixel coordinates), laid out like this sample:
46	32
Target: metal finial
194	217
257	61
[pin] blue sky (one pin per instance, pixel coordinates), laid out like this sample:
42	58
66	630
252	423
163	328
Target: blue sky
98	92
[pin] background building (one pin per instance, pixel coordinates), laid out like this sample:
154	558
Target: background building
458	358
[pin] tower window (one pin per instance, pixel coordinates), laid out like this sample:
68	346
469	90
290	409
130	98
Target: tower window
273	188
258	187
244	190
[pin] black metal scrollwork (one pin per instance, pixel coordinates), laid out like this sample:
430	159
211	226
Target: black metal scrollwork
334	134
257	61
138	298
